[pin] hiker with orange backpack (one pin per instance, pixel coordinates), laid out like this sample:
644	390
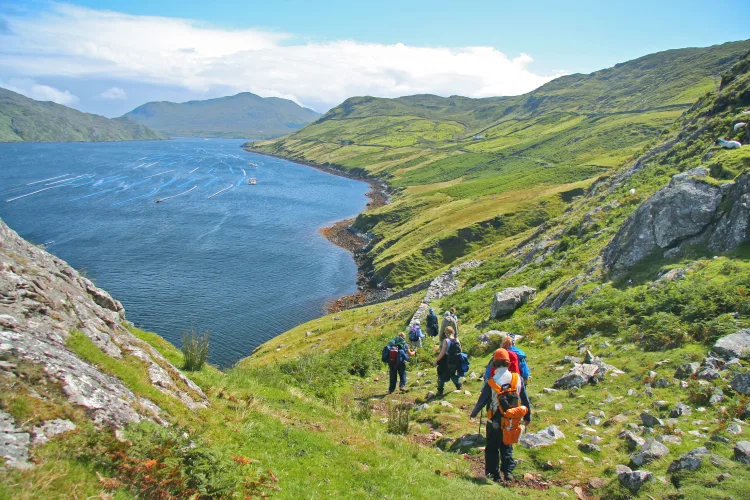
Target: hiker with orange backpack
396	354
504	396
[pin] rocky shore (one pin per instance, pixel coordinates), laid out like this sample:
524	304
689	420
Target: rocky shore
342	234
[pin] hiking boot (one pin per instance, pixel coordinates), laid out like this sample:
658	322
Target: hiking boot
403	389
494	478
509	477
439	393
459	387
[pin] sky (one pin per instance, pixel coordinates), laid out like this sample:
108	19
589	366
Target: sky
110	56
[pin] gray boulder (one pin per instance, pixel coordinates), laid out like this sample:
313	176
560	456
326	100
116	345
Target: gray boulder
650	451
742	452
687	211
577	376
544	437
650	420
633	480
691	460
47	430
709	374
716	397
686	371
736	345
679	410
491	337
741	383
510	299
14	443
633	441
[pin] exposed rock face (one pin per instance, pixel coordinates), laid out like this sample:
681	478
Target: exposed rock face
691	460
447	283
14	443
42	299
742	452
510	299
544	437
685	371
633	480
741	383
736	345
650	451
689	210
47	430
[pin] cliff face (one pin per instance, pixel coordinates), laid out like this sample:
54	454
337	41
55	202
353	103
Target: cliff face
43	301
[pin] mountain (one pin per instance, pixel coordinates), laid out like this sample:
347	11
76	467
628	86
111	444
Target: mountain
629	293
470	175
242	116
24	119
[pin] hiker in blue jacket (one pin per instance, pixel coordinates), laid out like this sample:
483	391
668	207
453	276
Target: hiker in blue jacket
415	334
396	354
523	366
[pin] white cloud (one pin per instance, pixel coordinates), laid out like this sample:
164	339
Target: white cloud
72	41
34	90
114	93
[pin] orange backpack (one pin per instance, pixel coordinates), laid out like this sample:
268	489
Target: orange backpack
510	423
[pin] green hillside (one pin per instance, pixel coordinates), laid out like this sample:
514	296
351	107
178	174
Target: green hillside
24	119
243	115
472	173
307	415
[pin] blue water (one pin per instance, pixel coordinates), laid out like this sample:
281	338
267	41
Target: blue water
246	264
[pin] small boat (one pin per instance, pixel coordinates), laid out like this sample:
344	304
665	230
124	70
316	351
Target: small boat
252	164
252	180
158	200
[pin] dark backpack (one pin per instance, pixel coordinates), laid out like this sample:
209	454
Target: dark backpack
432	325
454	355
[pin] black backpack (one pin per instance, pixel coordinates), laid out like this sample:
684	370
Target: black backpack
454	355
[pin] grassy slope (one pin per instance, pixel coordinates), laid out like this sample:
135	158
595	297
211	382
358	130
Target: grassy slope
243	115
24	119
572	130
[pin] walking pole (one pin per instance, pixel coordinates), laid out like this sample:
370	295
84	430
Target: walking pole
480	426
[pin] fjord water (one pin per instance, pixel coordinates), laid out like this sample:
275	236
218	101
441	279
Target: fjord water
246	264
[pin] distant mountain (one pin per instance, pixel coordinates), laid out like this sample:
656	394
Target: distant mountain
243	115
24	119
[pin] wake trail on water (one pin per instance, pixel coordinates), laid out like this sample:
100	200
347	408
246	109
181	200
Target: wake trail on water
176	195
29	194
219	192
45	180
94	194
186	183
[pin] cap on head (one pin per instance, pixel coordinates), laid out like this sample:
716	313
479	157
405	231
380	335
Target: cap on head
417	323
501	354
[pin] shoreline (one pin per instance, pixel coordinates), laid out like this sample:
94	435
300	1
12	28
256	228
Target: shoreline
342	235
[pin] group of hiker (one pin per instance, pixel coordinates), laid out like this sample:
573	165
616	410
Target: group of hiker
503	393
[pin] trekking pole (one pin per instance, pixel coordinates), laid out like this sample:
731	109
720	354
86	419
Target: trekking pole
479	431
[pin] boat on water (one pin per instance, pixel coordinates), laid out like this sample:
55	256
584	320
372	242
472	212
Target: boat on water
158	200
252	164
252	180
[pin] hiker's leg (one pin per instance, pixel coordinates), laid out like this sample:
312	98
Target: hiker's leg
506	458
402	375
491	451
456	381
392	374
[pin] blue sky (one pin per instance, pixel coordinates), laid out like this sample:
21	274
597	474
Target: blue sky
109	56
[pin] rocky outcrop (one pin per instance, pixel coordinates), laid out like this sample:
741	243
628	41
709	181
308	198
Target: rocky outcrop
591	370
510	299
447	283
736	345
545	437
42	301
14	443
689	211
633	479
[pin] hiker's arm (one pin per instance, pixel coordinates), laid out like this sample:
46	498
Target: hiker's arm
484	396
442	351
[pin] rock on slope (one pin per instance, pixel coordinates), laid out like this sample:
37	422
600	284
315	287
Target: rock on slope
689	211
42	300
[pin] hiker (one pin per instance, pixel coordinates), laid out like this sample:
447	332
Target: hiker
449	321
523	367
432	324
504	396
449	361
506	342
396	354
415	334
